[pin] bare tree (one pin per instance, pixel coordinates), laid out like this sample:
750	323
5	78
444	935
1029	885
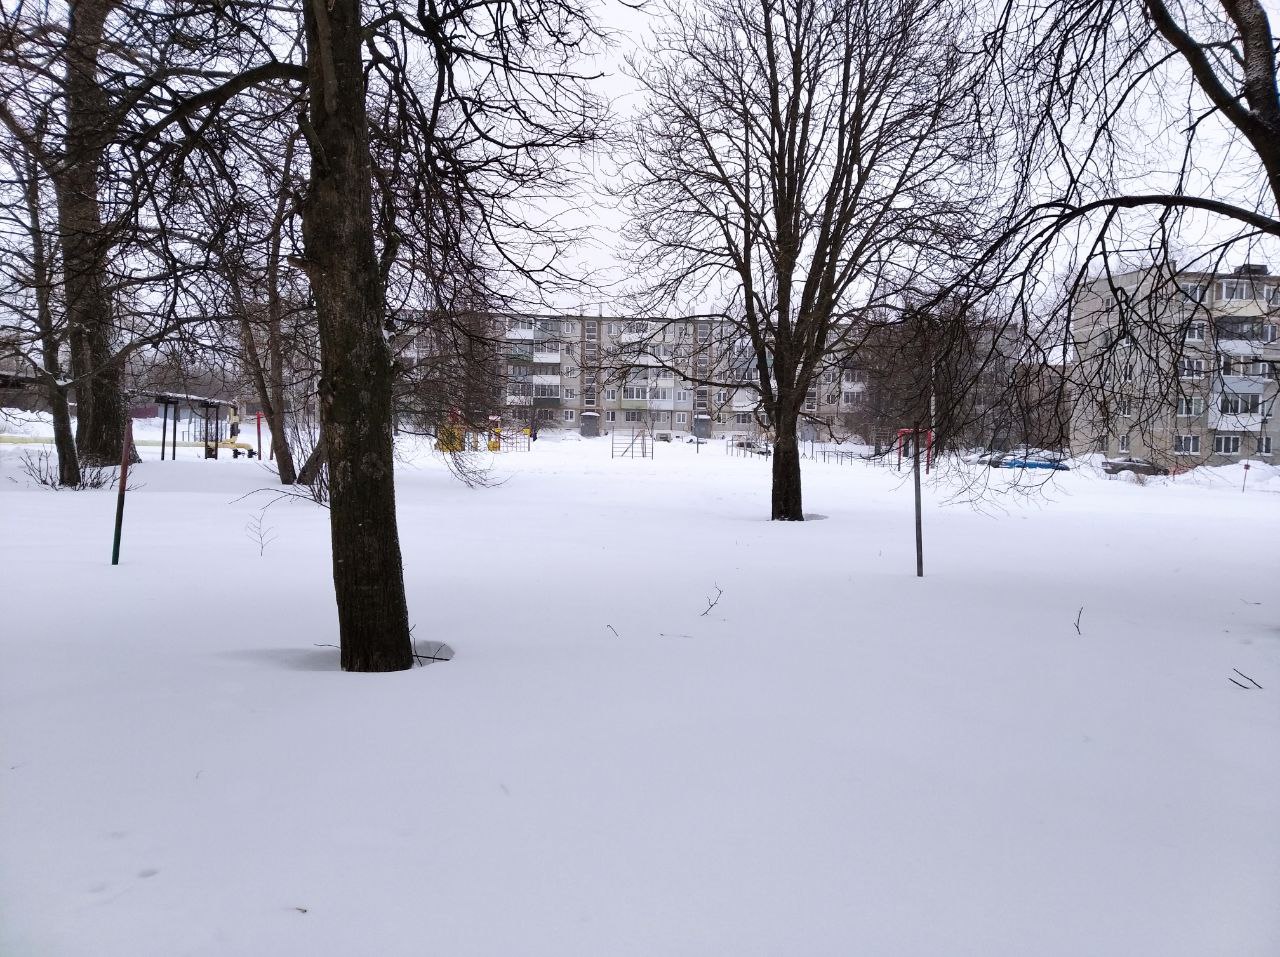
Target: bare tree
1147	158
797	163
484	100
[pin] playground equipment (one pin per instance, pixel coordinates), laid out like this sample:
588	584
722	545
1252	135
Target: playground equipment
635	443
906	444
212	433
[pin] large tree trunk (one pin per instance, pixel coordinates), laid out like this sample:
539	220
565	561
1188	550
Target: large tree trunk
42	280
355	363
787	506
100	405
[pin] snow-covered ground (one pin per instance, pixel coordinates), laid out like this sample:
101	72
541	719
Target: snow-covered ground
835	759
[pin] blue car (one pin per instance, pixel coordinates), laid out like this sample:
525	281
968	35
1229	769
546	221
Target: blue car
1012	461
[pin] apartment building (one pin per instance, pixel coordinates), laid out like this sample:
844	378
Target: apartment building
1181	371
695	376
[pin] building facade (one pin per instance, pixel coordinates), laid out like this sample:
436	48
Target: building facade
1178	370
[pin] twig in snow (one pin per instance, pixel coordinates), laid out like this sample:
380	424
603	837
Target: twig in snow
712	602
1246	678
1236	683
1079	615
614	630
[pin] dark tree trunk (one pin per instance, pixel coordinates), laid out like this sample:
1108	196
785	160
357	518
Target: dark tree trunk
787	506
42	280
355	362
100	406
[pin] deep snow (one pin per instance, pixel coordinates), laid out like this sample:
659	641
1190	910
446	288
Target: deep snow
836	759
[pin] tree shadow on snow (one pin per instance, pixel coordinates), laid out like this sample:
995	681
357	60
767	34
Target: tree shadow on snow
291	659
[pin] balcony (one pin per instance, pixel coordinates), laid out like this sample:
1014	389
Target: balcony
521	335
543	379
546	401
519	399
633	403
1241	422
1245	384
547	357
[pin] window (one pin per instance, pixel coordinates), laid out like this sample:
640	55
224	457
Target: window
719	418
1270	330
742	418
1191	405
632	415
660	395
1226	444
1126	373
569	372
1234	404
829	377
611	395
635	392
546	392
1264	445
613	328
1234	289
682	418
589	397
1191	368
593	331
700	404
682	395
569	327
1196	331
570	393
1192	290
1124	443
722	397
1239	329
611	416
851	398
1124	407
569	415
664	416
523	325
811	400
704	331
1186	444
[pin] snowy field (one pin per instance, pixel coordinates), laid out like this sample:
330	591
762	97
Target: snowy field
1036	750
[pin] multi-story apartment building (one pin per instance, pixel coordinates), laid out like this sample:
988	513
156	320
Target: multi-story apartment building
696	376
1181	371
595	374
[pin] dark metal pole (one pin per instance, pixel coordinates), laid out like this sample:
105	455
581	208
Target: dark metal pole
919	527
123	483
164	427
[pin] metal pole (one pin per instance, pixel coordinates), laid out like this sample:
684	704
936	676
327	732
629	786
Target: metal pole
259	436
164	427
919	527
123	483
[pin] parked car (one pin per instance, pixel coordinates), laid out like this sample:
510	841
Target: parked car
750	445
1137	466
1028	460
